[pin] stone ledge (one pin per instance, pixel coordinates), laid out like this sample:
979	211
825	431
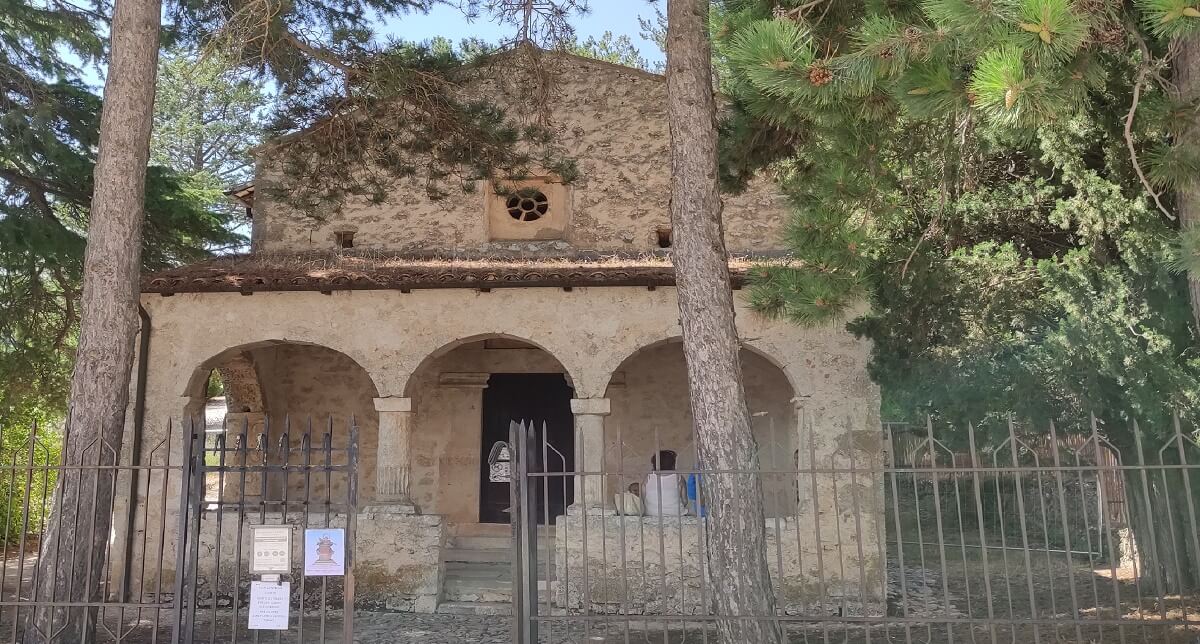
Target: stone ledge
591	406
393	404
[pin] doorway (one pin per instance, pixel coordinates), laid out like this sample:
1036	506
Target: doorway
541	398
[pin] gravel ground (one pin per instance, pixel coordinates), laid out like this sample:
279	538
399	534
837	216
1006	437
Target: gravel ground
388	628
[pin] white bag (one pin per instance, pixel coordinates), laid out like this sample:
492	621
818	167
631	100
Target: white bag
628	504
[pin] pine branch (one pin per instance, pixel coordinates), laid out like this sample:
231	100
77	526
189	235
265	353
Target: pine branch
1133	156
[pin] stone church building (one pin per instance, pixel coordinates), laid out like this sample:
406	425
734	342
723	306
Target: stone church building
433	323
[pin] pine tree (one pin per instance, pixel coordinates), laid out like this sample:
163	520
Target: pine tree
108	324
735	536
997	178
408	118
206	120
47	153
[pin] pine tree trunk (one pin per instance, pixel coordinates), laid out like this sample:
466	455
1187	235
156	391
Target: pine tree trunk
74	545
1164	526
1187	80
736	531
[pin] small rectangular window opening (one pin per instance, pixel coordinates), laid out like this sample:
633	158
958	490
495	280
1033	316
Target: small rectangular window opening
344	239
664	237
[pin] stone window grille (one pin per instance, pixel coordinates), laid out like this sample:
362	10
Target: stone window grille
527	205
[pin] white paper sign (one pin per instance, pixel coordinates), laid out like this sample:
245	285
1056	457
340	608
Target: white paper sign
269	605
324	552
270	549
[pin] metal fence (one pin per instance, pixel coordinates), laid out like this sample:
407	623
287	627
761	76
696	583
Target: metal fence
177	565
121	609
300	475
999	533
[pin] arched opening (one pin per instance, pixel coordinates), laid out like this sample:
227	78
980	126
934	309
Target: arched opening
651	412
464	396
258	395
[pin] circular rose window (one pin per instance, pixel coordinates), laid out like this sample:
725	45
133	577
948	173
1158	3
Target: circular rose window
527	205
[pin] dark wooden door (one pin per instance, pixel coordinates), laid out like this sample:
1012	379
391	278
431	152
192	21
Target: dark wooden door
540	398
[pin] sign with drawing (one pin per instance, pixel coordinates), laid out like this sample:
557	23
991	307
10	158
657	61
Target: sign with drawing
325	552
500	463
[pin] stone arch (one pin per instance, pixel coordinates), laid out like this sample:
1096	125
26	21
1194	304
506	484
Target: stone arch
448	436
297	388
235	355
756	348
452	345
651	411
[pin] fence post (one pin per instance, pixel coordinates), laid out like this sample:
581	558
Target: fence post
181	538
351	528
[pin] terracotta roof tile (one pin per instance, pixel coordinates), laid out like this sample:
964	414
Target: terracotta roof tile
368	271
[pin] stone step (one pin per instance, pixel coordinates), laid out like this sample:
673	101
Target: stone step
490	570
475	608
491	555
477	555
481	543
485	583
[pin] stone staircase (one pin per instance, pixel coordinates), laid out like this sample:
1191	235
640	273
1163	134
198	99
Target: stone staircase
478	560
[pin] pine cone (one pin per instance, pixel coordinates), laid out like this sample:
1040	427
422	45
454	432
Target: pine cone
819	75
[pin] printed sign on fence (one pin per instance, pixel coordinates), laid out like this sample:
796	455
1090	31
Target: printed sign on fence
269	605
324	552
270	549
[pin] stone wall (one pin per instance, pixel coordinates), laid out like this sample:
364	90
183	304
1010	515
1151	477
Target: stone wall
397	560
610	120
657	565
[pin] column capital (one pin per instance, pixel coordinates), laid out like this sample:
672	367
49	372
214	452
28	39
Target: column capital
393	404
591	406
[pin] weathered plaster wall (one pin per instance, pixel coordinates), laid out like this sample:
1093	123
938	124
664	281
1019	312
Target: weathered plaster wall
590	332
611	120
651	412
397	562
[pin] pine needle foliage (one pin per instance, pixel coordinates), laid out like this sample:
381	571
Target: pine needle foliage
49	130
359	115
963	165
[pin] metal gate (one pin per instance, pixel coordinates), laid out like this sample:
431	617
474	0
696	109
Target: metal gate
299	475
933	534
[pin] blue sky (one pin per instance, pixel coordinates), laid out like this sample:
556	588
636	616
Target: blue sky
618	16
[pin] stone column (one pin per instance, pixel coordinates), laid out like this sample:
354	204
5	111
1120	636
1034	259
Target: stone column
254	424
392	454
589	452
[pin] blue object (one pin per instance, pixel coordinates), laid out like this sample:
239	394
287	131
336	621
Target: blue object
693	494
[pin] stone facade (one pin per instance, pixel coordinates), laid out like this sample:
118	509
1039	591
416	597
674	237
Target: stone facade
409	368
397	567
657	565
610	120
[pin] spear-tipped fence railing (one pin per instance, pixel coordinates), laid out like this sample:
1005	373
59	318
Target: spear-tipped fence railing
175	568
1004	532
